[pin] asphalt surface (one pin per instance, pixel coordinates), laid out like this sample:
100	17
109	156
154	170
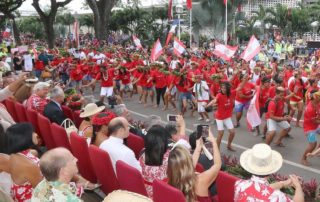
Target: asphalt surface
292	152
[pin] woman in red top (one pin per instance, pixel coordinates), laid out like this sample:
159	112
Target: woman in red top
170	92
159	77
76	76
225	103
125	81
313	85
296	101
263	97
147	86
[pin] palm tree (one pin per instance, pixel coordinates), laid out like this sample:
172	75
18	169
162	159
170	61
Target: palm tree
300	20
261	15
279	16
65	19
86	20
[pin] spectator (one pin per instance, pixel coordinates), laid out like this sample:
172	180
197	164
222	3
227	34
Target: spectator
100	124
12	88
53	110
23	164
38	100
85	128
118	130
261	161
154	159
17	62
181	173
58	167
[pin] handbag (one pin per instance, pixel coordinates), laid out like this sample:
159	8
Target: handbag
69	126
45	74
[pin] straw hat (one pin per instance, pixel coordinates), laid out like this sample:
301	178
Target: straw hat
261	160
91	109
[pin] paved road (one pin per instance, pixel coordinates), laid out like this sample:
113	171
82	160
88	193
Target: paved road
291	152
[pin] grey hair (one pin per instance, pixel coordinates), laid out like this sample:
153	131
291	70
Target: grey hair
55	92
153	120
119	109
39	86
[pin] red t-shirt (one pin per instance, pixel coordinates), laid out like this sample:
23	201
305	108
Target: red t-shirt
276	108
76	73
310	114
184	87
39	65
214	88
246	90
144	80
107	79
308	93
264	95
297	88
125	78
224	105
159	78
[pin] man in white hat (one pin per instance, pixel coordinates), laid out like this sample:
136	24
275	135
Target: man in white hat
261	161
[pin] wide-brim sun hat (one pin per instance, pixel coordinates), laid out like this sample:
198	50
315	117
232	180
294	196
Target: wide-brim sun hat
261	160
91	109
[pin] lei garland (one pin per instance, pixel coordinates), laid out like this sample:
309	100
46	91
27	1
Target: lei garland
103	118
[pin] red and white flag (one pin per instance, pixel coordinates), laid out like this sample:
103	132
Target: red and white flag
136	42
156	51
189	4
6	33
170	10
76	33
253	113
225	2
252	49
171	31
224	51
178	47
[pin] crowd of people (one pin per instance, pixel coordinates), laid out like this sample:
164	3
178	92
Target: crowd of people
197	81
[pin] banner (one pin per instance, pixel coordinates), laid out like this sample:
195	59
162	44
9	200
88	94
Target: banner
252	49
224	51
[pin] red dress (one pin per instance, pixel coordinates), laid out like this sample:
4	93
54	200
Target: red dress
23	193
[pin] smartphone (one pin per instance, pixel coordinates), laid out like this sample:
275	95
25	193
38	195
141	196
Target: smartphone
171	117
202	131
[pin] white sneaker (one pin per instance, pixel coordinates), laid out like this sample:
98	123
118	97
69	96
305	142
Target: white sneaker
207	120
200	119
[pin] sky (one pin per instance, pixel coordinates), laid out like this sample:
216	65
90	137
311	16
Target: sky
74	5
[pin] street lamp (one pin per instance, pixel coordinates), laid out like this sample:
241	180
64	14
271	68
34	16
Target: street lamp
314	25
179	11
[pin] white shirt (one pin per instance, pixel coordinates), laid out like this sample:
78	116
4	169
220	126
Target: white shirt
118	151
204	95
82	56
28	65
100	58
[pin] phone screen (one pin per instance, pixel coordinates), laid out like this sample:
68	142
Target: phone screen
172	118
202	131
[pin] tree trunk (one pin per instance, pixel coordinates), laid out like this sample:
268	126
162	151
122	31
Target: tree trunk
16	32
97	25
48	27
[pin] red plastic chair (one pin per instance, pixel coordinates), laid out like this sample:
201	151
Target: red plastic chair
60	136
77	119
164	192
21	112
80	150
45	131
11	109
67	112
103	168
130	179
225	186
32	117
135	143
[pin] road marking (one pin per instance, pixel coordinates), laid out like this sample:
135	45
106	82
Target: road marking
244	148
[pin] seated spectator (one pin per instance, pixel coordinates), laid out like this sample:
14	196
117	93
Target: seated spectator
12	87
118	130
24	170
181	173
6	181
176	131
6	119
58	167
154	160
53	110
38	100
261	161
100	124
85	128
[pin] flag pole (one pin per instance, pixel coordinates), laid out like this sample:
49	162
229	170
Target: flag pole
190	40
226	28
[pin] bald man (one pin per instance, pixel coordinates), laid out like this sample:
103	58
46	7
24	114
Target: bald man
118	129
58	167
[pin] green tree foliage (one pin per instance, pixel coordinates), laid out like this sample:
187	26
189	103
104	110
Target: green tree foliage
31	25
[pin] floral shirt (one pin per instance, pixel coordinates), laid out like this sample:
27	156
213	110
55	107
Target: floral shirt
150	173
36	103
47	191
257	190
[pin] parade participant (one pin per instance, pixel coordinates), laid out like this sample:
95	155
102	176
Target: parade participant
201	91
275	118
263	97
125	81
245	92
106	76
76	75
313	85
225	103
311	124
147	86
170	92
159	77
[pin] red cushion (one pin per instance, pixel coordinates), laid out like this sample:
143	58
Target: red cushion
32	117
103	168
60	136
130	178
80	150
225	186
45	131
164	192
67	112
135	143
22	115
77	119
11	109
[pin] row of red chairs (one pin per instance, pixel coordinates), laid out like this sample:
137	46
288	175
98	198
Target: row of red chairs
95	164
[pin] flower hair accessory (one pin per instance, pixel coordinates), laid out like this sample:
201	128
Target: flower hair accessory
103	118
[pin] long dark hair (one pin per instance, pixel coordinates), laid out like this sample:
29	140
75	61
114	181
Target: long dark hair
95	130
228	87
156	144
